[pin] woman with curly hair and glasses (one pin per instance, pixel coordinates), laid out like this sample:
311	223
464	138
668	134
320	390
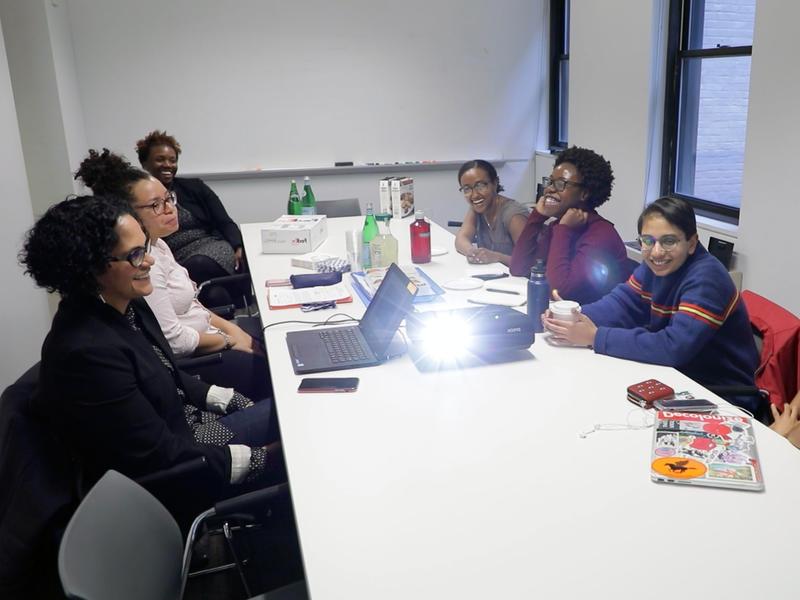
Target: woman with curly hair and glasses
190	328
109	384
209	243
585	255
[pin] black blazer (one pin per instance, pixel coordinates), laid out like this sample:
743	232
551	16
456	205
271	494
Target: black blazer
106	392
207	208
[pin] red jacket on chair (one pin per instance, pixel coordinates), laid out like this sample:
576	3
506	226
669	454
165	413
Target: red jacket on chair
779	370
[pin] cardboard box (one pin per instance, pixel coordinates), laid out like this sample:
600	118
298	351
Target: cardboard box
294	234
311	261
402	197
385	195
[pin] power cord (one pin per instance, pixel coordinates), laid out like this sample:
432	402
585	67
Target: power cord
329	321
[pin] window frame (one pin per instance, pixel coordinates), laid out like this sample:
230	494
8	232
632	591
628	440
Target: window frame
678	42
559	22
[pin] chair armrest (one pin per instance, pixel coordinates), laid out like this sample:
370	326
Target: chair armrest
737	390
224	280
189	467
246	501
227	312
195	362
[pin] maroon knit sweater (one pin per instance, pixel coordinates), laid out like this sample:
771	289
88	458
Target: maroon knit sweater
583	263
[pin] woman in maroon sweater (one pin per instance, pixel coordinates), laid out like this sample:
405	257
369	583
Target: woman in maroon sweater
585	255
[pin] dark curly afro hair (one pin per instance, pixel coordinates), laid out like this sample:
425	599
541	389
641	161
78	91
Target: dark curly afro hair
598	178
68	247
109	174
156	138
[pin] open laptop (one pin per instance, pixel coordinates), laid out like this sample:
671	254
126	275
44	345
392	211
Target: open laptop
362	345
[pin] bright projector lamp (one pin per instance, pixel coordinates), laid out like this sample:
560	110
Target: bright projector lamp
451	335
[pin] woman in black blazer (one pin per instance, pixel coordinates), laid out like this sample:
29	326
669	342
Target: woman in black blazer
109	383
208	243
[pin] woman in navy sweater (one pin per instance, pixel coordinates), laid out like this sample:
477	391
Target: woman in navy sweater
679	308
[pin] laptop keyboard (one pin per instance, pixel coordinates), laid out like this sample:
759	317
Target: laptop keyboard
343	345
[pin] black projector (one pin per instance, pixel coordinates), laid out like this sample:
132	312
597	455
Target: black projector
480	330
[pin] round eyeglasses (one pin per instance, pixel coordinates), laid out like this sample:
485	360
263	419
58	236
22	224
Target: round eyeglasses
159	205
479	187
135	257
667	242
559	184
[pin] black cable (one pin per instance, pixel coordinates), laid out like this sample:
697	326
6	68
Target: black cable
328	321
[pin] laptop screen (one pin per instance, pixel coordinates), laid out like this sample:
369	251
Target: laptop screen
387	310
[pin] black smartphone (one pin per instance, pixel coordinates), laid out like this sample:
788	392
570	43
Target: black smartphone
324	385
690	405
490	276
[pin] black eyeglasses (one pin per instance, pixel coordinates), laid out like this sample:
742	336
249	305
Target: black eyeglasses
479	187
135	257
158	205
667	242
559	184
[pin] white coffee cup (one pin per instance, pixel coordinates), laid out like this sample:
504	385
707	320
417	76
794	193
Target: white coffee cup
562	310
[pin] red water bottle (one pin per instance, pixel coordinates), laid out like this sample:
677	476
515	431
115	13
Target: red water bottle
420	239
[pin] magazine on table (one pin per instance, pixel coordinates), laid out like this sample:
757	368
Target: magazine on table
365	283
705	449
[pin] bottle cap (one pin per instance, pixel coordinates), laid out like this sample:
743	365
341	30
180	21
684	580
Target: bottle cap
539	267
418	215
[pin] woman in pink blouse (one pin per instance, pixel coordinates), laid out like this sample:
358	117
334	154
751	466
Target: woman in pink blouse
189	327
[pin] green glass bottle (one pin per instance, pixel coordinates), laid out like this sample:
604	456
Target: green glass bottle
370	231
294	207
309	202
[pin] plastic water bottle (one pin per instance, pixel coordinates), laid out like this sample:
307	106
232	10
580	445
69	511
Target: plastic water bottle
538	295
383	247
420	239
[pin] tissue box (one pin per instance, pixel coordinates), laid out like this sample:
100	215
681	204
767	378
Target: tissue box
311	261
294	234
385	195
402	191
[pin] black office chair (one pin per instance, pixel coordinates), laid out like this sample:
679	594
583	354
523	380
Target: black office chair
122	543
240	289
40	486
227	312
38	493
347	207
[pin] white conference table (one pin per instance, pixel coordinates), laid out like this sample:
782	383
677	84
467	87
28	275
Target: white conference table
476	484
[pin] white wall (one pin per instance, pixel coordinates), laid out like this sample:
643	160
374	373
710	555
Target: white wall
612	104
32	67
609	98
770	213
25	317
257	84
270	84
